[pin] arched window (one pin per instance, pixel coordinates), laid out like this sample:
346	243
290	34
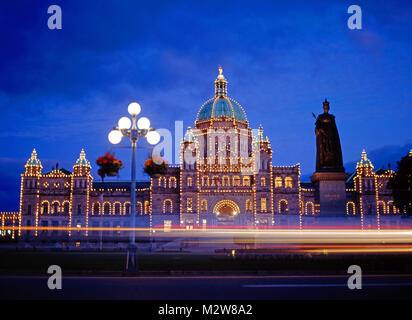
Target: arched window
350	208
248	205
226	181
283	206
172	182
126	208
96	209
390	207
263	205
310	208
189	181
246	181
117	210
66	207
139	208
278	182
167	206
236	181
146	207
55	207
45	208
106	209
205	181
203	205
215	181
288	182
263	182
381	207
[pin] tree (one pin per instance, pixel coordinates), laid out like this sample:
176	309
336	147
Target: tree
401	185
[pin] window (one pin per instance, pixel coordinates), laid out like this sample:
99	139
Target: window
246	181
350	208
66	208
106	209
283	206
205	181
189	181
263	205
226	181
203	205
278	182
127	208
79	209
288	182
236	181
172	182
117	209
263	182
189	204
310	208
167	206
29	209
248	205
215	181
55	207
96	209
45	208
381	207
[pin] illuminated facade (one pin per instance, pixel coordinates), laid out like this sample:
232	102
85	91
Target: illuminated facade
225	177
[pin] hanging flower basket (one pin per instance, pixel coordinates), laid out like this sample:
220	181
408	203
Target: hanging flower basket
155	166
109	165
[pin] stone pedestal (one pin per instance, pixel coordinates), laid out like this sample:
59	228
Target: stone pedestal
330	192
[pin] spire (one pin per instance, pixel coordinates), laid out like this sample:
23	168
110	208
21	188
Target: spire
189	137
220	84
364	162
82	161
260	133
33	161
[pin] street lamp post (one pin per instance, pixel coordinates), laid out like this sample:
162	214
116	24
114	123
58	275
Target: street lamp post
134	130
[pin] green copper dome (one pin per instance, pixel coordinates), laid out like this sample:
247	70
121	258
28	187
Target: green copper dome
82	161
33	161
221	106
364	162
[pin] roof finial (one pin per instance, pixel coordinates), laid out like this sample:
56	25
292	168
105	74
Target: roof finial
220	84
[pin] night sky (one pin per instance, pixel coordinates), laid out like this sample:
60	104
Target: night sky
63	90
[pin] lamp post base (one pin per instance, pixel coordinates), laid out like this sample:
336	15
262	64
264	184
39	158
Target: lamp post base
132	267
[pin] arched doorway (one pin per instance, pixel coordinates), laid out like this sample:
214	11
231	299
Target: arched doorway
226	211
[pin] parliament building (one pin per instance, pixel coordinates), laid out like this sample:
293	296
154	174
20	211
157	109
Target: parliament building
225	178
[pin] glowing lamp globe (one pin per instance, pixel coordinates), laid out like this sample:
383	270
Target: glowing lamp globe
153	137
134	108
143	123
124	123
115	136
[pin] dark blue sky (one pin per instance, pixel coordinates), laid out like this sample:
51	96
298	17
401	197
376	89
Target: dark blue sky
63	90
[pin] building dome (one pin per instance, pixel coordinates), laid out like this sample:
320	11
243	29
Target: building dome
189	137
221	106
82	161
364	162
33	161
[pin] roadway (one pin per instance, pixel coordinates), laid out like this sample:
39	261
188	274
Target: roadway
207	287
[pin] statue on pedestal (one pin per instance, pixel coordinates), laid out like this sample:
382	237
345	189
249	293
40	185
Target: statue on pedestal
328	149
